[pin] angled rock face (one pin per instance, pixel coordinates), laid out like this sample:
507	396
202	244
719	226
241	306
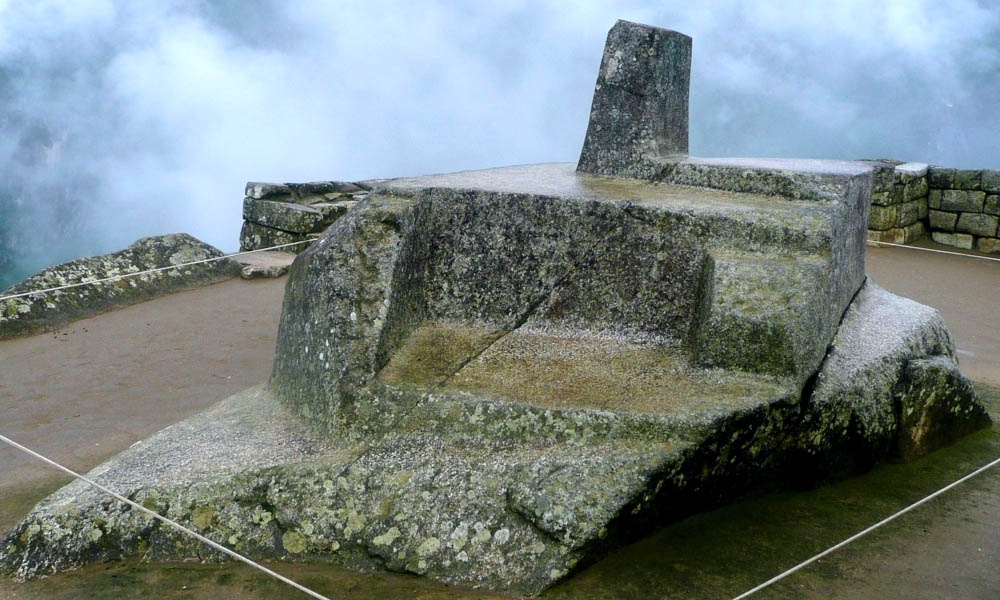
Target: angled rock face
639	116
31	314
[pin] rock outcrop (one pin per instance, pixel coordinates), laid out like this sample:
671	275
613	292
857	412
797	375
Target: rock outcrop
491	377
42	312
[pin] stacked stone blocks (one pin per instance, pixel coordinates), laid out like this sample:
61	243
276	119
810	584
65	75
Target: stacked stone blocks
959	207
965	208
899	201
284	213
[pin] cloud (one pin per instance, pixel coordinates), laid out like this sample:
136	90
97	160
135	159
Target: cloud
129	118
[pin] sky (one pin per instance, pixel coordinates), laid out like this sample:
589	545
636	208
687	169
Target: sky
126	118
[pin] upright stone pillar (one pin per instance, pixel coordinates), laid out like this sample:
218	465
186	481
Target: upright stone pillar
639	117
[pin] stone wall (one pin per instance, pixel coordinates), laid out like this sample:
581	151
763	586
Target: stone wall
283	213
965	208
959	207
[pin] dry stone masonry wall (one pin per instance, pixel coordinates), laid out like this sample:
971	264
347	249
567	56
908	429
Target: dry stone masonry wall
959	207
284	213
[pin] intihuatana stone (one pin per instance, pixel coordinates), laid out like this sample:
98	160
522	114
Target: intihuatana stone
44	312
492	377
639	116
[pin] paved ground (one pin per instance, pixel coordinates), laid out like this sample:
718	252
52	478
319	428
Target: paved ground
92	389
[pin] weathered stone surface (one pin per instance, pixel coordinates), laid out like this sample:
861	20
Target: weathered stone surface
943	221
992	205
285	216
882	198
962	201
259	190
333	210
264	264
882	217
256	237
915	189
968	179
484	492
907	213
958	240
938	405
910	172
941	178
866	381
31	314
977	224
988	245
639	115
991	181
898	235
934	199
883	172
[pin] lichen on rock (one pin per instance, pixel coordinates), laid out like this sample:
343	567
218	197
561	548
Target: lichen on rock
41	312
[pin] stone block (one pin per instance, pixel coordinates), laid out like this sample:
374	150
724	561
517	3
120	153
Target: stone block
285	216
883	197
910	172
254	237
992	205
883	173
956	240
907	213
991	181
934	199
915	189
898	235
941	178
639	115
962	201
942	221
333	210
896	195
882	218
259	190
988	245
922	213
968	179
977	224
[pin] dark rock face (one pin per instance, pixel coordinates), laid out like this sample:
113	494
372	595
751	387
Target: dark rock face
639	116
31	314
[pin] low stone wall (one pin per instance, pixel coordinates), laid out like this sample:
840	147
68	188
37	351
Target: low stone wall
959	207
283	213
965	208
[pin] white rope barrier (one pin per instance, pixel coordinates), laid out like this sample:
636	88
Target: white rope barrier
163	519
880	244
865	532
156	270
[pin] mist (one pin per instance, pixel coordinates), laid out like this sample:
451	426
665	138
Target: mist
121	119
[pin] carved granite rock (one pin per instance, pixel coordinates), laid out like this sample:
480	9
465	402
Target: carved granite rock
492	377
